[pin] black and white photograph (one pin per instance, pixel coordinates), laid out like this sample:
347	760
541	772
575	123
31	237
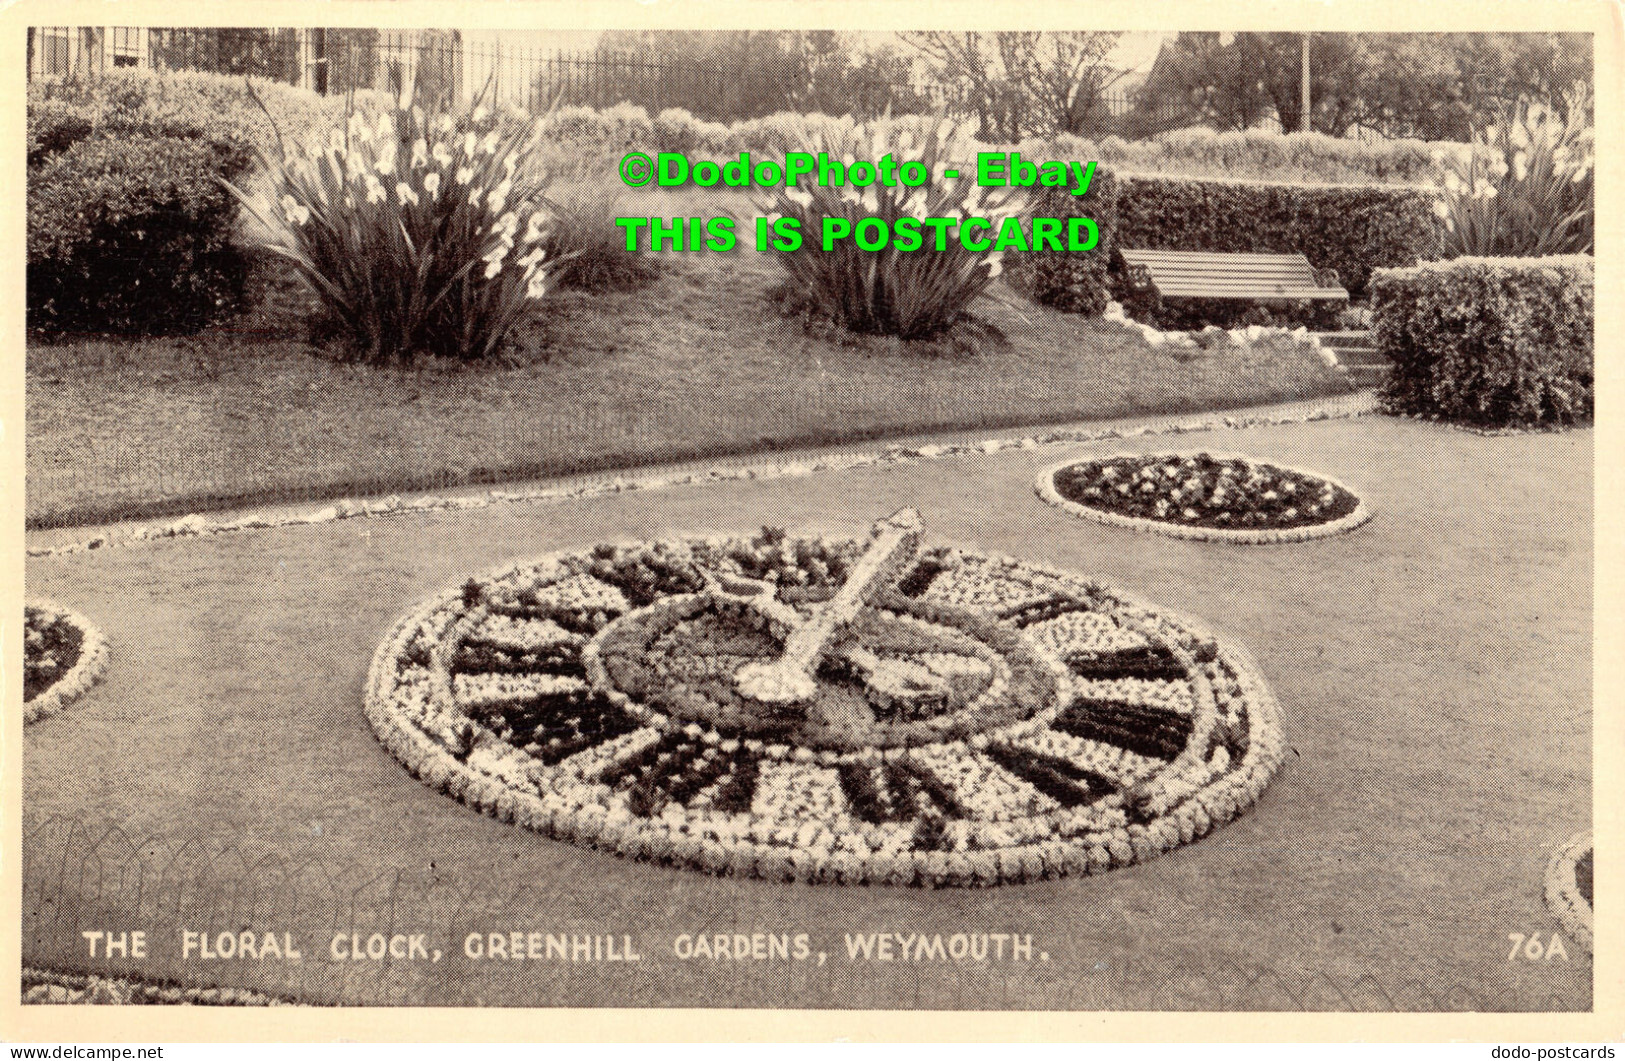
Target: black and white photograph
873	509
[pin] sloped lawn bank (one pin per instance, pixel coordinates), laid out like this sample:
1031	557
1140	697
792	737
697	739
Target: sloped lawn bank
702	363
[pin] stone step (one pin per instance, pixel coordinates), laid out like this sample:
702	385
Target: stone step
1368	375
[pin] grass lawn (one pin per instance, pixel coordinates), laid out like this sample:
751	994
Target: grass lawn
1433	671
698	364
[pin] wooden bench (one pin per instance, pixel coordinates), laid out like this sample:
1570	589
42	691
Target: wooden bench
1260	277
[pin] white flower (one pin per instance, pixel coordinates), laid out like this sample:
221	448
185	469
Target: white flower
799	197
1483	189
335	141
375	190
386	161
386	128
420	154
464	175
442	154
493	269
489	147
405	194
444	124
471	143
1440	210
358	126
510	163
431	184
479	115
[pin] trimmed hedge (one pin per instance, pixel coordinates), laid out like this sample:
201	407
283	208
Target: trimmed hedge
133	236
1491	342
1351	228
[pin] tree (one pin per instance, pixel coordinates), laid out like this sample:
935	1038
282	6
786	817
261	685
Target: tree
1434	86
1021	83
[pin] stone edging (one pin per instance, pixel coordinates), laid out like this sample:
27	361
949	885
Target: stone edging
1563	896
1045	486
200	526
93	653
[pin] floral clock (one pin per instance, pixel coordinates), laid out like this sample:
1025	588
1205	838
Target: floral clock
1205	496
803	708
63	655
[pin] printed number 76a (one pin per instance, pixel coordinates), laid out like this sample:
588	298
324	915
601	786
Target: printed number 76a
1532	948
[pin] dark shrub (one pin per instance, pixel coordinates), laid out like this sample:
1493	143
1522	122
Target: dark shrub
1489	341
586	244
1077	282
133	236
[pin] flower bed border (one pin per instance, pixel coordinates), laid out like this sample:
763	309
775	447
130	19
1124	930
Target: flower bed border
86	671
1362	514
1192	816
1563	896
139	991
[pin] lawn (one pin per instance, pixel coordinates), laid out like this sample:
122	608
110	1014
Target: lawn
700	363
1433	671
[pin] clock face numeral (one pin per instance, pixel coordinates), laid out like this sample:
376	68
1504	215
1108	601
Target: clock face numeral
938	703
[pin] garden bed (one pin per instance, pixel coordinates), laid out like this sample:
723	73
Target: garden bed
63	655
1204	496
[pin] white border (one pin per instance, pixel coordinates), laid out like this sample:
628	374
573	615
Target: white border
1045	485
1563	893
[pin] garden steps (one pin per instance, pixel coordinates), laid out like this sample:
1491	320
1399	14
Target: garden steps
1357	351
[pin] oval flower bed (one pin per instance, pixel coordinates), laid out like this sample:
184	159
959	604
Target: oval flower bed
959	719
63	655
1213	497
1568	888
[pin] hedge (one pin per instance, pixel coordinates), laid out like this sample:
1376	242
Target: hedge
133	235
1351	228
1491	342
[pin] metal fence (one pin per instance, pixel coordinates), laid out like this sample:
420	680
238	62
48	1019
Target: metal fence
443	64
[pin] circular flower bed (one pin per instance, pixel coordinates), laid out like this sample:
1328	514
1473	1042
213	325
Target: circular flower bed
1214	497
63	655
822	710
1568	887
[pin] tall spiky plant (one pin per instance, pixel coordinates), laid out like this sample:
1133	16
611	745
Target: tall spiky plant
421	234
1525	189
912	295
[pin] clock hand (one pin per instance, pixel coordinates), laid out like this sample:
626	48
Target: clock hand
789	679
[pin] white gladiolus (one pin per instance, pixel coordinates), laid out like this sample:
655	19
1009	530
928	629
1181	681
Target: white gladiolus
405	194
420	154
375	190
464	175
386	129
386	160
1520	165
537	286
442	154
493	269
479	115
489	147
471	143
431	184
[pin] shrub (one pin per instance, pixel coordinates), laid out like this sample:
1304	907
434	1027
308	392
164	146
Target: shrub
1350	228
916	294
211	107
1074	282
409	232
1526	189
133	235
675	129
1489	341
586	246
